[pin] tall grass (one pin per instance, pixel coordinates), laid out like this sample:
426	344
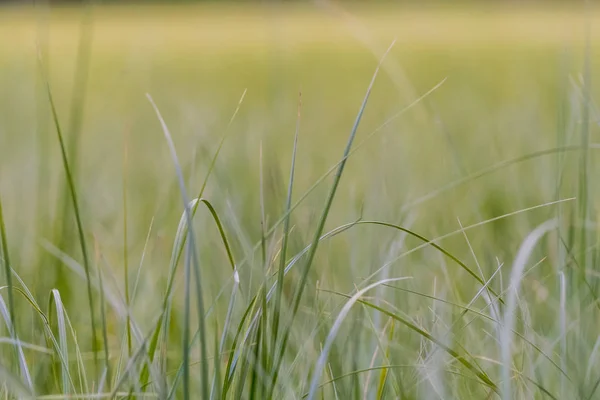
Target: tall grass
295	271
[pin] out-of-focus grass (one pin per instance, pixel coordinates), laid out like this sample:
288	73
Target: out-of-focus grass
513	87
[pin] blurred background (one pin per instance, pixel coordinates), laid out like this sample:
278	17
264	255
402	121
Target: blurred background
509	80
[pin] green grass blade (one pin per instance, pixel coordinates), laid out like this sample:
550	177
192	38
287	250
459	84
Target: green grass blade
493	168
336	166
511	307
7	273
483	377
233	360
179	245
191	248
62	337
384	372
286	232
4	253
584	168
320	364
179	242
18	348
215	391
435	246
125	249
75	204
104	329
321	225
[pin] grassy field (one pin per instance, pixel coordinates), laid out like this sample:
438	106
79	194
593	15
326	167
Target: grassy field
451	251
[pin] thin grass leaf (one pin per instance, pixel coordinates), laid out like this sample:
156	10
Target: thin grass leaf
361	371
460	231
104	329
321	225
193	259
75	205
125	249
142	258
336	166
11	322
233	360
180	240
76	115
486	171
62	337
584	167
435	246
18	349
483	377
510	313
286	232
7	274
131	363
384	372
216	385
320	364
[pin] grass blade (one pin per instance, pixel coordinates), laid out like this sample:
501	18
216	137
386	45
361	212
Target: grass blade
11	322
316	375
179	244
193	259
286	231
483	377
511	307
75	204
125	249
321	225
7	272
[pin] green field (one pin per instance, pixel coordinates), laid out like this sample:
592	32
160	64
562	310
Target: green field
467	207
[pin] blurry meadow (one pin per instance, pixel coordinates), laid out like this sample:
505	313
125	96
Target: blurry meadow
458	258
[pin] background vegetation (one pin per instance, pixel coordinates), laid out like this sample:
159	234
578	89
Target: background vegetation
468	195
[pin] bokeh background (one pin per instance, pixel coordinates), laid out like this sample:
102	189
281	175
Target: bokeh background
510	82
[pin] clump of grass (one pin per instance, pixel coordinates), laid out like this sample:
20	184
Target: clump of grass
300	309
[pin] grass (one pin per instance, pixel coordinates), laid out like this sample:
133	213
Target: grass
434	238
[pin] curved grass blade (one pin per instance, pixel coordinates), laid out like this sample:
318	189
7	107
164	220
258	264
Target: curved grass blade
179	242
360	371
511	307
435	246
483	377
317	371
193	259
50	337
178	245
460	231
